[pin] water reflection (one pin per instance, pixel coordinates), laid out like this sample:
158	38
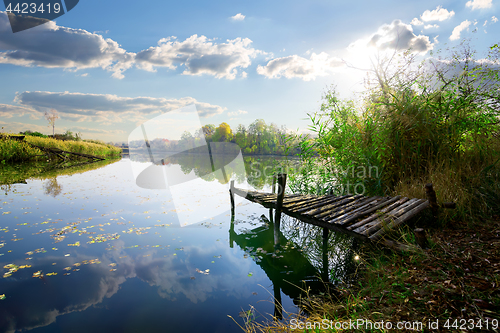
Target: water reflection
293	268
52	188
257	171
124	264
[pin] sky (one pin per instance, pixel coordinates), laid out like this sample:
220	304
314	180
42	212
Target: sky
108	66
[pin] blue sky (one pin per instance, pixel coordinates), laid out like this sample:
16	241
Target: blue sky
108	66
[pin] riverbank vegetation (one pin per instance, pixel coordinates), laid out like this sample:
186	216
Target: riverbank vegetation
14	148
433	122
258	139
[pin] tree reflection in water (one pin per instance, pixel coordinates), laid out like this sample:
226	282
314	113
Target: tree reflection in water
51	187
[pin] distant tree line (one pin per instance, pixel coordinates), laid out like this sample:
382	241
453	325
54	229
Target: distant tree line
257	139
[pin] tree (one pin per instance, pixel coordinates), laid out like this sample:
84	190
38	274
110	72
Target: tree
208	131
51	117
223	133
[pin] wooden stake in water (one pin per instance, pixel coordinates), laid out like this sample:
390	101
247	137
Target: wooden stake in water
281	194
231	194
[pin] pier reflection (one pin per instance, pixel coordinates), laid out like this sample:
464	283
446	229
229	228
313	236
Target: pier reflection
294	258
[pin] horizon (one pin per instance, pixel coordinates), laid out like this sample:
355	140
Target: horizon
236	62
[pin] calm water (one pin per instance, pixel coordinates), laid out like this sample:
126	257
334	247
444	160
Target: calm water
87	250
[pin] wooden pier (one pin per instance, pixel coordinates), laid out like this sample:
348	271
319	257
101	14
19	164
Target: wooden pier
366	218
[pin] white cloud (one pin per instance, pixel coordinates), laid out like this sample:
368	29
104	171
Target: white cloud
479	4
458	29
295	66
238	17
436	39
236	113
485	22
108	108
416	21
494	19
16	127
199	55
394	36
438	14
9	111
430	26
52	46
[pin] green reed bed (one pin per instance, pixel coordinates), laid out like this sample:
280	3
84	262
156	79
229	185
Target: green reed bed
13	150
96	149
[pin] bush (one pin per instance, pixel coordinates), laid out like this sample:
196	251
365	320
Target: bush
12	150
38	134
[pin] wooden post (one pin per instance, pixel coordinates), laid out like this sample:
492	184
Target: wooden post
231	232
273	188
280	196
278	310
431	197
421	238
325	276
231	194
276	229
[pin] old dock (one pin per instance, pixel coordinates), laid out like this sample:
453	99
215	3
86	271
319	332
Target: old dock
366	218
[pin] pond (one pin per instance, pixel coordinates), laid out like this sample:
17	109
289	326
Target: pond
85	249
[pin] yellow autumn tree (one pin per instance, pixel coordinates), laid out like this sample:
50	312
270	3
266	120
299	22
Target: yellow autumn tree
223	133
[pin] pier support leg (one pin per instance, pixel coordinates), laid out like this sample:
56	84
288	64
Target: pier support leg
281	195
325	255
273	189
421	238
278	310
431	197
231	232
231	194
276	226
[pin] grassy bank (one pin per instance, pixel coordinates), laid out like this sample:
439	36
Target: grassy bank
12	150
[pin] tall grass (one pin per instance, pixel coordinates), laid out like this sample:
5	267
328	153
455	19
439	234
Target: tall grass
12	150
96	149
414	125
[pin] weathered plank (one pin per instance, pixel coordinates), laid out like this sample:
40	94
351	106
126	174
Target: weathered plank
347	209
374	216
300	201
356	213
389	217
329	207
319	202
339	206
422	204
